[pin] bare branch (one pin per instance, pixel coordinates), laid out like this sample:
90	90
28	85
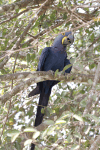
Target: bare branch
4	62
41	76
95	144
43	126
43	32
20	4
96	80
39	12
48	75
15	16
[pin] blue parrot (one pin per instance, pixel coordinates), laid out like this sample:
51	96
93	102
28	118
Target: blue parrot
52	58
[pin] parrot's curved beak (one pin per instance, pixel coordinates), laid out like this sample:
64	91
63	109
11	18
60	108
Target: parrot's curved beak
68	39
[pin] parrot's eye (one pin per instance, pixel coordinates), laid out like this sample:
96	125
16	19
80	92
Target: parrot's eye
63	34
68	40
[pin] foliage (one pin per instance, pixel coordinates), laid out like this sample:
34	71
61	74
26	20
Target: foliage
72	118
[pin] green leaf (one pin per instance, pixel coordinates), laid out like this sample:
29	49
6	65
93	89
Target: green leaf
13	138
78	117
32	57
80	1
6	42
87	129
60	122
94	97
90	81
87	143
36	134
60	4
67	66
56	72
92	37
64	16
75	147
91	66
83	102
42	110
87	30
40	51
96	119
69	138
49	122
27	142
86	8
53	16
72	60
11	133
17	9
30	130
77	134
28	58
66	115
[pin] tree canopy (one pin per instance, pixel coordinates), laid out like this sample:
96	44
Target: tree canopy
72	118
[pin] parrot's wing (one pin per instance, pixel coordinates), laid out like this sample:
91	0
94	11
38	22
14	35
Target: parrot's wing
43	57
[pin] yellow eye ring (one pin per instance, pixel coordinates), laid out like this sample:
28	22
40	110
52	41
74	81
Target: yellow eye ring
63	34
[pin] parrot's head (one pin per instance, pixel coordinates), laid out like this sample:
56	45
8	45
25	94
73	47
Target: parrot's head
63	39
67	38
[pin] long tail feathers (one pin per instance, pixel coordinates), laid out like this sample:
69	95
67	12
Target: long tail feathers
43	101
34	92
32	146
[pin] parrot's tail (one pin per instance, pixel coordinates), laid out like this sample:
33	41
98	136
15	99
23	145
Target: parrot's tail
34	92
32	146
43	101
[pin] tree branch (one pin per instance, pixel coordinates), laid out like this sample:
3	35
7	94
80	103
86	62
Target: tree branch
15	16
49	75
19	5
44	32
95	144
96	80
43	126
39	12
40	76
4	62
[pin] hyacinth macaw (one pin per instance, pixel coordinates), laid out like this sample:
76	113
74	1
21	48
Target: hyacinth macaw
52	58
